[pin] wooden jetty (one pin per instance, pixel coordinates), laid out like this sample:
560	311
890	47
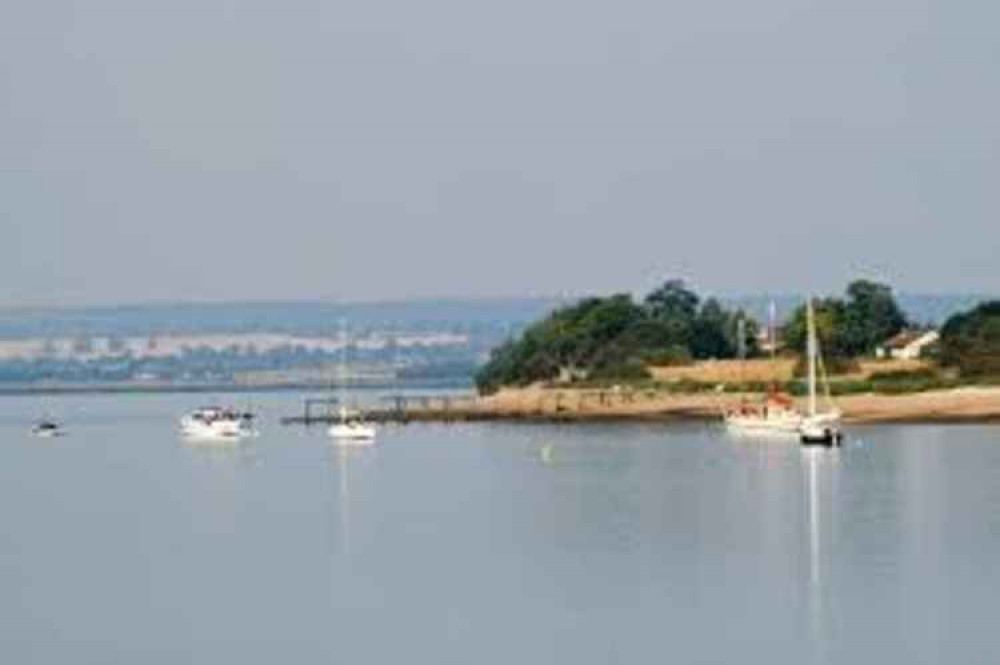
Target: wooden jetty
399	408
574	405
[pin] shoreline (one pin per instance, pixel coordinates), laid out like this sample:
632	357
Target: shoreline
968	405
964	405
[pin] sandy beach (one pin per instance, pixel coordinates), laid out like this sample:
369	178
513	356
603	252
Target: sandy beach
971	404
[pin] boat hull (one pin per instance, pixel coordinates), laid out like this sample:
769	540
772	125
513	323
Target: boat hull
199	427
360	434
786	425
45	433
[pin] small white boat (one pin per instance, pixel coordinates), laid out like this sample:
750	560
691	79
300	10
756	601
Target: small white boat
218	423
819	428
351	426
47	429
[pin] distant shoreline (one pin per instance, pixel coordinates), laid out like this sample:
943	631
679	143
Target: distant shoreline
125	388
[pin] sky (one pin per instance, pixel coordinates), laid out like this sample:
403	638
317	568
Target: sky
389	149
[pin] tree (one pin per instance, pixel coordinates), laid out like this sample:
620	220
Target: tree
672	300
711	337
971	341
830	314
871	317
590	334
675	307
614	338
850	328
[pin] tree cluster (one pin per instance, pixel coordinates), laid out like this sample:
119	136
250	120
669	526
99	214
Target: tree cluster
616	338
851	327
971	341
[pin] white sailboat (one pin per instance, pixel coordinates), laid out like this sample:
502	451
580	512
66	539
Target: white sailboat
352	427
349	425
818	427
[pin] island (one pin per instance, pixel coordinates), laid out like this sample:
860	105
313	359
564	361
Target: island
676	355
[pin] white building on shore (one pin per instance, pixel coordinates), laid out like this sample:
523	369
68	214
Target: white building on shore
908	344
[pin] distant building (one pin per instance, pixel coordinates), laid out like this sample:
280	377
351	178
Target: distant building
908	344
769	342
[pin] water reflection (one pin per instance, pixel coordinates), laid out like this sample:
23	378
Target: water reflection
346	459
589	544
819	466
221	451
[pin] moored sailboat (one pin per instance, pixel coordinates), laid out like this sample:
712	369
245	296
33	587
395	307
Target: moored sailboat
349	425
818	427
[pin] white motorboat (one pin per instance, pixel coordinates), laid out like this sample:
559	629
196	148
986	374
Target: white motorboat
820	428
47	429
351	426
214	422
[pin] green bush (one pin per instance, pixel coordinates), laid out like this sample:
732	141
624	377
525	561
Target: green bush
675	356
905	376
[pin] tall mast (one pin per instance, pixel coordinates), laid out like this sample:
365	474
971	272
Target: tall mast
342	369
772	328
741	345
812	351
741	338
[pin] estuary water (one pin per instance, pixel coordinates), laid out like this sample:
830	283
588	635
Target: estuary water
490	543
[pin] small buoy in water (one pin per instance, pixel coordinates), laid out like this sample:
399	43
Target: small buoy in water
546	454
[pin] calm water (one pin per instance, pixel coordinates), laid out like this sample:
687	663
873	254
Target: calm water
490	544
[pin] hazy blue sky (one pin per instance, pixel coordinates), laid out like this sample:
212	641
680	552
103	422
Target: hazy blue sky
202	149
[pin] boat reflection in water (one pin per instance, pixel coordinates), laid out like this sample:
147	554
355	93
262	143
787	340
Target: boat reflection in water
819	466
343	458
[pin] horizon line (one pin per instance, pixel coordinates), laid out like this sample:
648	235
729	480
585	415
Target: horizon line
430	299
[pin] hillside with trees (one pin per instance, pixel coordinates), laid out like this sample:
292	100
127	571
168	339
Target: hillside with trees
616	338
